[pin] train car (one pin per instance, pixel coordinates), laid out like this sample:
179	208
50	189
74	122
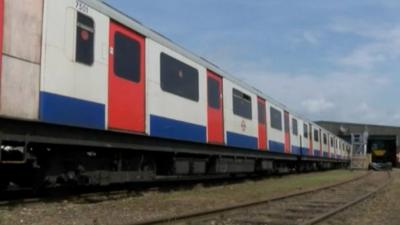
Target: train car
90	96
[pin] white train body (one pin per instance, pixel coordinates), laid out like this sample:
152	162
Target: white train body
66	66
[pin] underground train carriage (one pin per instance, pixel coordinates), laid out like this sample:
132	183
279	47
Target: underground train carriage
107	100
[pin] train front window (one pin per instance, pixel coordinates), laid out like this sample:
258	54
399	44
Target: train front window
84	52
126	58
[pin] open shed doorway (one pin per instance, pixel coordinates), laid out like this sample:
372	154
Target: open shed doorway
383	149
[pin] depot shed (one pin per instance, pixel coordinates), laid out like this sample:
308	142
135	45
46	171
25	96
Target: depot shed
382	142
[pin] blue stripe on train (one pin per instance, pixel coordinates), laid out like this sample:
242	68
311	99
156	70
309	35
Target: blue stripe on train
71	111
296	150
275	146
316	152
175	129
241	141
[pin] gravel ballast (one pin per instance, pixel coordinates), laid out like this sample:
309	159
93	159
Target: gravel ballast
382	209
153	204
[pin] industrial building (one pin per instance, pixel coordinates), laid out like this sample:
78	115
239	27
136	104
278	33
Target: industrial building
377	142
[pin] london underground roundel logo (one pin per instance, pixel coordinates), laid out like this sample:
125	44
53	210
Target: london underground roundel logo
243	125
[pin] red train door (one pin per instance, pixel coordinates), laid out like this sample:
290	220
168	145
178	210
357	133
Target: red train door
262	124
287	133
126	87
311	150
215	112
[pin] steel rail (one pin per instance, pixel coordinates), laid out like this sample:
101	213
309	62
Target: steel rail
337	210
188	216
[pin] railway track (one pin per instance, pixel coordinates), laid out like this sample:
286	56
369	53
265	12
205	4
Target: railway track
304	208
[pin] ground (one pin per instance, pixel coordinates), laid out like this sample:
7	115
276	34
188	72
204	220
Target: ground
382	209
154	204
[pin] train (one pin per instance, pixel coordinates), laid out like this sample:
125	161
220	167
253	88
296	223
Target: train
90	96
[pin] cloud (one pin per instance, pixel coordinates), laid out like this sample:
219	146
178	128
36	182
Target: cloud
396	116
340	96
365	57
349	91
372	55
318	105
311	37
379	43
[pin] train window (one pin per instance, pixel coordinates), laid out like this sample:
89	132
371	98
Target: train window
241	104
179	78
262	116
331	142
126	57
316	136
213	93
294	127
325	139
276	118
84	50
305	130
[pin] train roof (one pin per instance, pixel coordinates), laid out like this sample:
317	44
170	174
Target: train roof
134	24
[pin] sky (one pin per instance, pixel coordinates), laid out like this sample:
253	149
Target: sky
327	60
